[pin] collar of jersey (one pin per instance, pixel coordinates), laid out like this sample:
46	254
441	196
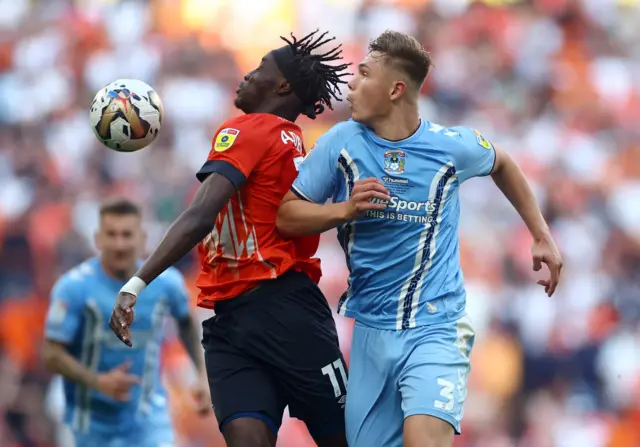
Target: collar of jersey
409	139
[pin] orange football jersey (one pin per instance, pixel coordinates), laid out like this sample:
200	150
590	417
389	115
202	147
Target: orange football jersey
259	153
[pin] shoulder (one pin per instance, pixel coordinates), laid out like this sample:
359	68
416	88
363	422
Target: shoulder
252	128
73	283
339	135
345	130
470	137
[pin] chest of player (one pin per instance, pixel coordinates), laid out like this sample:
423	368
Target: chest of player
150	311
421	180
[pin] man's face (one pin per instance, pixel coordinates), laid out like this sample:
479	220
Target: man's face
258	85
371	89
120	240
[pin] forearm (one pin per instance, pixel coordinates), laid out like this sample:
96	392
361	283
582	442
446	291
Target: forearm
59	361
188	229
190	338
513	184
301	218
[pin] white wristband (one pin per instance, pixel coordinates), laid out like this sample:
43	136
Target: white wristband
134	286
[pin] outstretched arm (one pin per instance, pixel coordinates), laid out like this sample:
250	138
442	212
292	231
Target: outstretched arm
508	176
188	229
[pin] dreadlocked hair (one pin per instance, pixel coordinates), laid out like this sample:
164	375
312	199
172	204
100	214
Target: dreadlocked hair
315	82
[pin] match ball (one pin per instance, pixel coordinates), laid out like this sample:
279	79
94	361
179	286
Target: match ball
126	115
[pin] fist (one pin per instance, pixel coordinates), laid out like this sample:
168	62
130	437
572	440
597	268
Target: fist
368	194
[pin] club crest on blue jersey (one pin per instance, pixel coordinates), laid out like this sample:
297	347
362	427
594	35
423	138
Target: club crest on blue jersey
394	162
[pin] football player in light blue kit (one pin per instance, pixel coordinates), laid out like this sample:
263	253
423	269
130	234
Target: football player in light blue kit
113	394
394	181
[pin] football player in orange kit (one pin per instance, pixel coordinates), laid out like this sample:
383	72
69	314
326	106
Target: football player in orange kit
273	341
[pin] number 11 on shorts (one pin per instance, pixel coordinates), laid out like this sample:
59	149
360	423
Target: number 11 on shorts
330	370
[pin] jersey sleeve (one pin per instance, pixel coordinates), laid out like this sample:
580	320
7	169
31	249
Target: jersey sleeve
65	314
475	156
316	179
178	294
236	149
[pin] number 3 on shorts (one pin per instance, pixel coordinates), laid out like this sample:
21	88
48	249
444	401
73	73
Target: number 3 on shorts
330	370
446	392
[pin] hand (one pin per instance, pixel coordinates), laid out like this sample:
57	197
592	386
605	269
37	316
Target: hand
545	251
122	317
117	383
361	197
201	398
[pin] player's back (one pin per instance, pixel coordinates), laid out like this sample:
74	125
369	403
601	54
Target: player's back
82	302
260	152
404	261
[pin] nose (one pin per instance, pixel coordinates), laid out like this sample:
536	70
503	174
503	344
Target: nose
248	75
350	84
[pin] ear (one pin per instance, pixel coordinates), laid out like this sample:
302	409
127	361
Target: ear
399	87
283	87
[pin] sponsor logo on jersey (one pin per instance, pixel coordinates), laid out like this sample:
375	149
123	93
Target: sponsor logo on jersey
394	161
398	204
225	139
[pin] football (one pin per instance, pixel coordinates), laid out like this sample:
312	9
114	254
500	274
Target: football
126	115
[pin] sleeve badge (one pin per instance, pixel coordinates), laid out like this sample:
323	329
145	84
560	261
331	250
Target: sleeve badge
482	141
225	139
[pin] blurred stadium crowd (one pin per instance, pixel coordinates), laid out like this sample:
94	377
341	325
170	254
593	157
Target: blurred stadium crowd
555	82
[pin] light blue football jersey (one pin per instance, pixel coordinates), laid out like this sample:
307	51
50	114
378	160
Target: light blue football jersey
404	261
81	304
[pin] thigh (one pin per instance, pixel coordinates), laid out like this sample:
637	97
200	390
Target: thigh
373	413
240	386
427	431
433	381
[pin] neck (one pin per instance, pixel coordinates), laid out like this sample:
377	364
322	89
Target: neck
401	123
281	110
122	275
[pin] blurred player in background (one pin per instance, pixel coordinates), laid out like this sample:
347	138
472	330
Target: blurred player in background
273	341
394	179
113	395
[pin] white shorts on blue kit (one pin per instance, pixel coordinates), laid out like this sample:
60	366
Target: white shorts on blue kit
397	374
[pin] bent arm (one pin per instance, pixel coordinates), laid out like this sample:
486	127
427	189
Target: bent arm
508	176
298	217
